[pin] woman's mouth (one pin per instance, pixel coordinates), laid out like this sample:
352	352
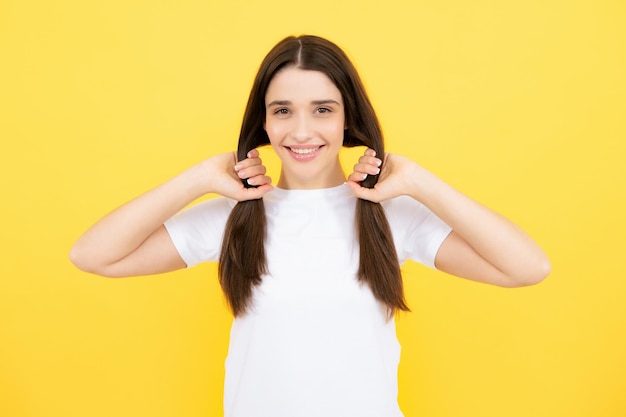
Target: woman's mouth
304	153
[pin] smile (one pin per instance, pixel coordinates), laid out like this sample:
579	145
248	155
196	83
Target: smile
304	151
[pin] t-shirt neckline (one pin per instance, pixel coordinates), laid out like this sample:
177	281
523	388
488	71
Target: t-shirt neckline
338	191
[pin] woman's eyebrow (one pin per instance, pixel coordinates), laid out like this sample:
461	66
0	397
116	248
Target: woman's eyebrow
327	101
278	103
315	102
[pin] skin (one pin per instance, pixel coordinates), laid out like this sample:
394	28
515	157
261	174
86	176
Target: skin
305	121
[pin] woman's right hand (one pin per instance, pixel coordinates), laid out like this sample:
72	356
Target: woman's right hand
224	176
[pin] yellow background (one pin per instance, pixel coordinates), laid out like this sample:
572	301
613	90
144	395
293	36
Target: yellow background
518	104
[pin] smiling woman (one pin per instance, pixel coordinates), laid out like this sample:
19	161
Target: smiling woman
311	268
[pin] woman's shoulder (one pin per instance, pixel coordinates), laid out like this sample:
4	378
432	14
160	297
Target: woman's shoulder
402	205
404	213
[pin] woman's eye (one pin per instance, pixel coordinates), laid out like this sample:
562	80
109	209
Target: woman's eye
281	111
323	110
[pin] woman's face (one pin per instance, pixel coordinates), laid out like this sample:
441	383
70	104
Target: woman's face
305	121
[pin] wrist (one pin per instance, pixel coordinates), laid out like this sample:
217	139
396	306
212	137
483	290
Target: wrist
194	181
422	184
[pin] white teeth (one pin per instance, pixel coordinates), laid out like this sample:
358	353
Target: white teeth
304	151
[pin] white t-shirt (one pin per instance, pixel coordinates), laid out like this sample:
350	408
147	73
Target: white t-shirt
315	342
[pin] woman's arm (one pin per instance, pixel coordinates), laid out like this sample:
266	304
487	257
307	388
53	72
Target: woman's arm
132	240
483	246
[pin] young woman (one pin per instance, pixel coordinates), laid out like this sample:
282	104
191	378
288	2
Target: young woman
311	267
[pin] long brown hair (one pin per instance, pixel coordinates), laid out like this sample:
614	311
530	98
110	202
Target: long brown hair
242	260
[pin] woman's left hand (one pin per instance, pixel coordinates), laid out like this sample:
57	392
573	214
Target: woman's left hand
395	178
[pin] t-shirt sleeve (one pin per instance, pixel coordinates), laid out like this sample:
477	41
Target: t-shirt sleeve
417	232
197	231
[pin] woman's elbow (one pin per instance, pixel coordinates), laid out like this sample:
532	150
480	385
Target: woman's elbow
533	275
79	260
87	263
542	269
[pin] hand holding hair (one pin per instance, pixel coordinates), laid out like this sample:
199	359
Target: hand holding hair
394	180
224	175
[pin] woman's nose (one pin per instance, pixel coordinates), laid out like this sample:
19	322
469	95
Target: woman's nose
302	128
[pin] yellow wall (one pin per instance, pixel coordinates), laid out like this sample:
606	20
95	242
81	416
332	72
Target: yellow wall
519	104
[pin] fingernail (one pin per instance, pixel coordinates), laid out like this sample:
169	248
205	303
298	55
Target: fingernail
377	171
237	167
364	176
249	181
379	162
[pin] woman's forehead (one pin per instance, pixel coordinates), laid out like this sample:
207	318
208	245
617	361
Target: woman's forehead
295	84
